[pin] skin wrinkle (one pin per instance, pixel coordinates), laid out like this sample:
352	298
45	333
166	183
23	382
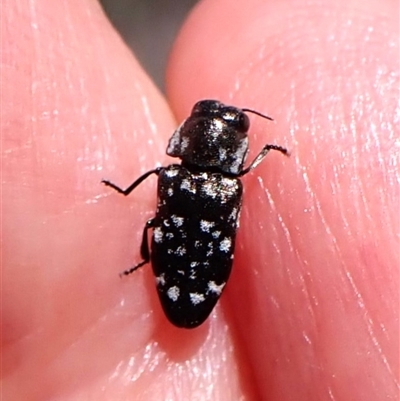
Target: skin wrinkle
301	272
310	304
272	204
341	204
148	114
369	324
330	393
35	36
356	167
148	359
372	141
365	313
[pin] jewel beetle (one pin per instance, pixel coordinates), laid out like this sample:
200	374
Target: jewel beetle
198	207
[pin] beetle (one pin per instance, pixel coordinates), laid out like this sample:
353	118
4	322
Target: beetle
198	207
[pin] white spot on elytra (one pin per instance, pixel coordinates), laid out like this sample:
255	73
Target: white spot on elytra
215	288
170	191
180	251
178	221
186	185
193	270
221	189
236	218
216	234
225	245
169	235
171	173
210	251
158	235
233	214
229	185
210	189
222	154
160	280
196	298
182	272
206	225
173	293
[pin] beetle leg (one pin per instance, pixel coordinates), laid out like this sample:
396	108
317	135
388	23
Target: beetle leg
259	158
144	249
131	187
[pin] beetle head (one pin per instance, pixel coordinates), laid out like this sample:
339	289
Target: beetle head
214	135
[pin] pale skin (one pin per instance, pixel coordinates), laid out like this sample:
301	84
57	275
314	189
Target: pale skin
311	310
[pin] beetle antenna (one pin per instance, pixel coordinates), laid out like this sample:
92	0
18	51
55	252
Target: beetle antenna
258	113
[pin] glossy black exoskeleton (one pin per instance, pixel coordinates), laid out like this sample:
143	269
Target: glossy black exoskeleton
198	206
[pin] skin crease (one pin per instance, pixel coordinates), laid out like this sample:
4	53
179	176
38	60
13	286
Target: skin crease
311	310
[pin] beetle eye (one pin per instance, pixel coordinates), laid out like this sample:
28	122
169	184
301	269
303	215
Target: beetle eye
243	122
236	118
